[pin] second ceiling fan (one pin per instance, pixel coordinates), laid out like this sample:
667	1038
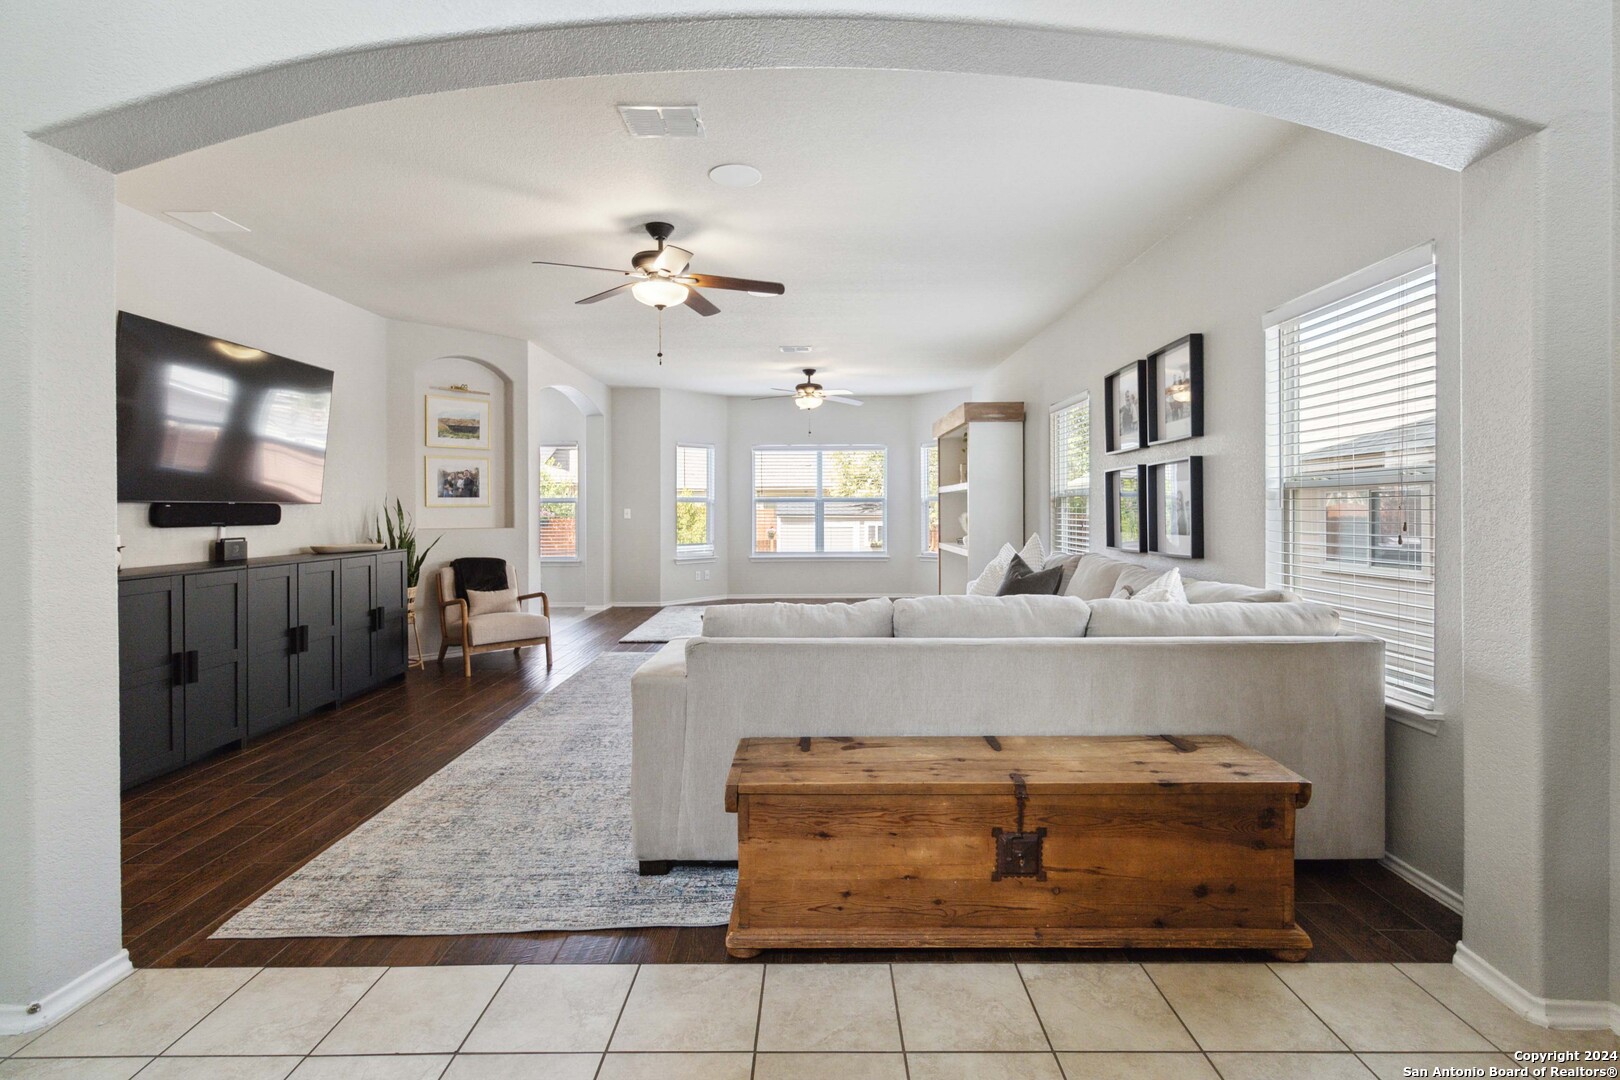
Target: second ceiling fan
811	394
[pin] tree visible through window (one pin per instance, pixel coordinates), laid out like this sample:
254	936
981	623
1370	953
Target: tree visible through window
559	501
820	500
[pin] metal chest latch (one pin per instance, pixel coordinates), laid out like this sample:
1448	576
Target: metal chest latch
1018	854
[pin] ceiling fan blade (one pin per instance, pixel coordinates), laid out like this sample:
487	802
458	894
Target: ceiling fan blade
671	259
714	281
843	400
605	294
838	393
699	303
772	397
582	266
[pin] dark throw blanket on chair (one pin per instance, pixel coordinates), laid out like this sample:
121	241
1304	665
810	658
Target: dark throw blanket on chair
480	575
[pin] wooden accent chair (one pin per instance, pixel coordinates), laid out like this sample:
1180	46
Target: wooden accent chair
489	631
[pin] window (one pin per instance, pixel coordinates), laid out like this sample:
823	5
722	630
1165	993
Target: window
1071	475
820	500
559	501
1350	449
930	498
694	502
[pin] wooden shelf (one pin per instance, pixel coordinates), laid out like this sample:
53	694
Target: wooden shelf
954	549
951	489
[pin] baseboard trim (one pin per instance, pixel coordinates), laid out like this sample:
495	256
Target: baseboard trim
1435	890
19	1019
1560	1013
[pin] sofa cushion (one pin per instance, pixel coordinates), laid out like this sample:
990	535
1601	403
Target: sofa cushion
1024	580
1150	586
1068	563
1094	578
1221	592
869	618
1131	618
502	626
990	616
989	580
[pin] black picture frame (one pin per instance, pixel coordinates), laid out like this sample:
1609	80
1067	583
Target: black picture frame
1115	495
1118	386
1162	427
1185	519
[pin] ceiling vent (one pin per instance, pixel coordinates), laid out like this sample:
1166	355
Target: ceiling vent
662	121
795	348
206	221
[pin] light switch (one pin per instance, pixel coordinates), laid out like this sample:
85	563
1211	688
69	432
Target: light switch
627	513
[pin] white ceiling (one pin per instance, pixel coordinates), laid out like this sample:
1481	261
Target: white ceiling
925	224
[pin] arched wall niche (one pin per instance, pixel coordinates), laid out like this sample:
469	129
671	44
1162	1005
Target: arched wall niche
486	382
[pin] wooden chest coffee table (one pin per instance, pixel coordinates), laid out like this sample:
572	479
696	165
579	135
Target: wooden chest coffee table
1104	841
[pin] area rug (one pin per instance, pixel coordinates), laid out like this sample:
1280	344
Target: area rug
528	830
667	625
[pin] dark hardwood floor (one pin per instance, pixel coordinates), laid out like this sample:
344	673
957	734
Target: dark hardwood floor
202	843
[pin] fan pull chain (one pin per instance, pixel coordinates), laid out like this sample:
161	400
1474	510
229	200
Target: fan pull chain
660	337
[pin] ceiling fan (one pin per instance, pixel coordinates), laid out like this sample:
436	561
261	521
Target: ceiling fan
660	278
810	394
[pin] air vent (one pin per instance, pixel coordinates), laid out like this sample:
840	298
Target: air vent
662	121
795	348
206	221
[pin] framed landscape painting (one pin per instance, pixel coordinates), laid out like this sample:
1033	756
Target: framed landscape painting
1123	394
456	421
1176	522
1126	530
1176	390
457	481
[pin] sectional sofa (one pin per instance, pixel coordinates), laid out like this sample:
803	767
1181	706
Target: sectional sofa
1259	666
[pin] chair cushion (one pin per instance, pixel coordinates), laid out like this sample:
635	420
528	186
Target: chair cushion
1221	592
869	618
502	626
953	616
491	602
1132	618
1095	577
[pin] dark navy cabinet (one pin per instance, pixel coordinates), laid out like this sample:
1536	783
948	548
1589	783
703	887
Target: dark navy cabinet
211	656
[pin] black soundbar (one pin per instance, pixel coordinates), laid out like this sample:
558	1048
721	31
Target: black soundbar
193	515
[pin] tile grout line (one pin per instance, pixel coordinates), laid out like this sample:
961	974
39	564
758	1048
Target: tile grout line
899	1025
1173	1011
1018	970
353	1005
1449	1009
1268	966
759	1014
617	1017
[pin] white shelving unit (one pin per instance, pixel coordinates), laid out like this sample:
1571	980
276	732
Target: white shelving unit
981	472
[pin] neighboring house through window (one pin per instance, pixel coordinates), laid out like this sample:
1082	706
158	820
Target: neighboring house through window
930	498
1071	475
694	502
820	500
559	501
1350	452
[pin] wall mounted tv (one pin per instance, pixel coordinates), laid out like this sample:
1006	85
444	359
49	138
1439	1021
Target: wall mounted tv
206	420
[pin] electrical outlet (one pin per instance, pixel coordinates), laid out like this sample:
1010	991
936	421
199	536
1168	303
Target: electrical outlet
705	575
697	575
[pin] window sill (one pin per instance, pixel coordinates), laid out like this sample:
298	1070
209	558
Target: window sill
1416	719
818	557
931	556
560	560
697	556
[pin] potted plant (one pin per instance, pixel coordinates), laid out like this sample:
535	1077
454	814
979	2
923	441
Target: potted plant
397	530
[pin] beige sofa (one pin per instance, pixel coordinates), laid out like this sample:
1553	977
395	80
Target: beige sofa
1277	676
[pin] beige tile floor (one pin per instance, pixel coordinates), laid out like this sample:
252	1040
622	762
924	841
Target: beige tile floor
1170	1021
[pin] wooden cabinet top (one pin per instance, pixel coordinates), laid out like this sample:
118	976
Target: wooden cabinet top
1050	765
979	412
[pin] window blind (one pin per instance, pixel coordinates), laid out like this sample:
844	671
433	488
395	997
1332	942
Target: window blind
559	501
1350	451
820	500
1071	476
694	501
930	498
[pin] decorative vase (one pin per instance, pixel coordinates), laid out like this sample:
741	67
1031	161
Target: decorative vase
964	522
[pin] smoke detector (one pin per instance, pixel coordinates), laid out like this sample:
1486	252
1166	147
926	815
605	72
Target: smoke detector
662	121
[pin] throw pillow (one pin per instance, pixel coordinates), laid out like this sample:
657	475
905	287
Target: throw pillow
989	581
1034	552
489	603
1023	580
1164	589
1069	563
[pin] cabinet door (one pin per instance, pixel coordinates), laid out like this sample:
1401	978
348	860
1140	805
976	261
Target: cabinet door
389	641
272	642
216	634
359	584
320	604
151	695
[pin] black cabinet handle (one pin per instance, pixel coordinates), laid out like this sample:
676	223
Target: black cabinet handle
192	666
376	619
177	669
303	638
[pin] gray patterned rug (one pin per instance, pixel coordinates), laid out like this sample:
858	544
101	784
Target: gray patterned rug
528	830
667	625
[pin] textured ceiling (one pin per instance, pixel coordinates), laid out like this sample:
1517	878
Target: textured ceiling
925	224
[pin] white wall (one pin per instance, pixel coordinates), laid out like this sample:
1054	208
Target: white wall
637	483
1322	208
171	274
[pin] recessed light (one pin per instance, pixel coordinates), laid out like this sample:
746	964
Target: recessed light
206	221
735	175
795	348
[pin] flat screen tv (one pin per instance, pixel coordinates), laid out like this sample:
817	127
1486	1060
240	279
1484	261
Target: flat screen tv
206	420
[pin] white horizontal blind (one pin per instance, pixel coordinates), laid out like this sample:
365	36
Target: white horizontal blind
930	498
820	500
1071	476
559	501
694	501
1351	467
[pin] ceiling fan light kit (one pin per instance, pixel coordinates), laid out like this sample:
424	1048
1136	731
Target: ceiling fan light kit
659	292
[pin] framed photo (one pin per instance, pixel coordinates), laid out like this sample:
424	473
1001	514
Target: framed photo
1123	394
1176	390
457	481
1176	518
454	420
1126	529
